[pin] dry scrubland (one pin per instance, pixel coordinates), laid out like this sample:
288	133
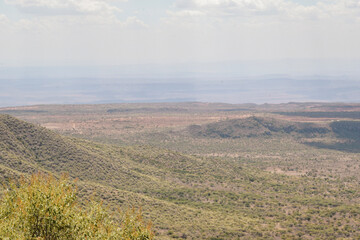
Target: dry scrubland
202	171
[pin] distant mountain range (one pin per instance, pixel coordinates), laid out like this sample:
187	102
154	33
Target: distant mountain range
265	89
230	82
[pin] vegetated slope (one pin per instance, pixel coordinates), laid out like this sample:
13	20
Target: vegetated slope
185	196
256	127
347	134
323	114
121	176
346	129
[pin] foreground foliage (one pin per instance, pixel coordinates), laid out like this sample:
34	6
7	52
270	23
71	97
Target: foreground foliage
47	208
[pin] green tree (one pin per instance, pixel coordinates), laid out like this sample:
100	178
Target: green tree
46	208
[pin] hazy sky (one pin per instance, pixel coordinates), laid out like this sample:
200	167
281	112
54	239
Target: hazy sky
116	32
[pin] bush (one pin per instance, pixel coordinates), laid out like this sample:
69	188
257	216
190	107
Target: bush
45	208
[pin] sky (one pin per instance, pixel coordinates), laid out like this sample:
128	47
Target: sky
128	32
235	51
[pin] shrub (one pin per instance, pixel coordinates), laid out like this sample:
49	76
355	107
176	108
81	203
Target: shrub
45	208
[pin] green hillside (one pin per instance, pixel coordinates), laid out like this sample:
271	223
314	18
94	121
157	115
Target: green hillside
188	197
257	127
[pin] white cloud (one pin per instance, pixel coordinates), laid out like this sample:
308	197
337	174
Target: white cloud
53	15
271	8
56	24
64	7
134	22
91	31
345	8
235	7
186	13
3	19
350	3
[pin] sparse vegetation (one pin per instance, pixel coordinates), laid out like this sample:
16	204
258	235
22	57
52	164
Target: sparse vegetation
257	127
47	208
249	184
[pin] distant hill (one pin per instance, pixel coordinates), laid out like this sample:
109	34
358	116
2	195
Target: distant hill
346	129
256	127
331	114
